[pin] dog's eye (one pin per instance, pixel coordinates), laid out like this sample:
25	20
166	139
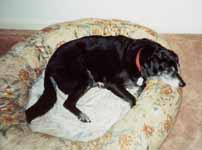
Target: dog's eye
173	69
169	70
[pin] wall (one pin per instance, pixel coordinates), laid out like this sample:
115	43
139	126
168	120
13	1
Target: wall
168	16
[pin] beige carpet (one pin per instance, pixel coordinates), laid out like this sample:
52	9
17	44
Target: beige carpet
187	131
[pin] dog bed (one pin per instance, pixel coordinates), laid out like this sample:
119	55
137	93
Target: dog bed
144	127
101	105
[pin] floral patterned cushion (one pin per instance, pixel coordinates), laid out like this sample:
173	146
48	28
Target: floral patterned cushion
145	127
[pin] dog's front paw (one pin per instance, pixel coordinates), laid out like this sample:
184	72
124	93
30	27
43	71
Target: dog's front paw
140	90
84	118
132	103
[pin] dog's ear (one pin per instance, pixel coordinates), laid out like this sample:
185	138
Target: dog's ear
166	54
151	67
173	56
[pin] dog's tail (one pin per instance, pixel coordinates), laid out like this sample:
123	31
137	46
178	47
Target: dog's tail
46	100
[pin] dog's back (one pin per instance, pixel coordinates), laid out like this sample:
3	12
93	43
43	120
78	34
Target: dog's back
102	56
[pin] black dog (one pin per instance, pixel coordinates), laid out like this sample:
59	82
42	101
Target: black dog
115	61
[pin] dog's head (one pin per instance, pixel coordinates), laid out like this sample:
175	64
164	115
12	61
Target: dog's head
162	63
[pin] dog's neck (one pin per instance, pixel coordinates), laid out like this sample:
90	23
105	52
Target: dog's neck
137	60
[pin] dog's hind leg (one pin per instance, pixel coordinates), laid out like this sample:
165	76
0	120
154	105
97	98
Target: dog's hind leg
45	102
73	98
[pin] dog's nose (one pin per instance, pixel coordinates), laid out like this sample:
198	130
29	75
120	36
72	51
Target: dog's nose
182	84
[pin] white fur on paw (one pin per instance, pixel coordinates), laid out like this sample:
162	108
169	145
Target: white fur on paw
100	85
84	118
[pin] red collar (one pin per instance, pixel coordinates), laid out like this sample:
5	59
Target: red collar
137	60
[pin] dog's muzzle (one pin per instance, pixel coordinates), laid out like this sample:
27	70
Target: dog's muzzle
174	80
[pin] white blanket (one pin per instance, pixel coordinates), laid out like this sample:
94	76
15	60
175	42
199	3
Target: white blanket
102	107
